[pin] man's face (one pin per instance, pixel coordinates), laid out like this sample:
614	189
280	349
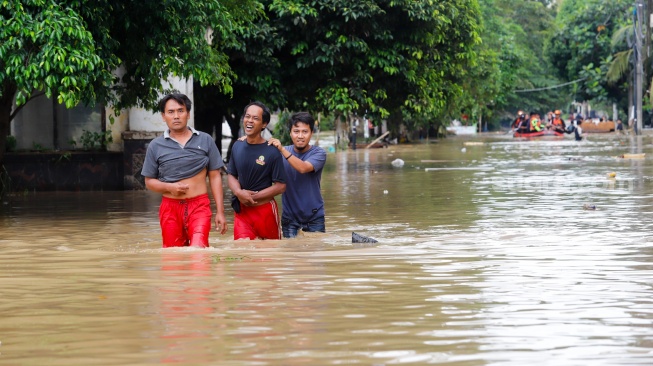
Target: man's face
253	121
176	116
300	134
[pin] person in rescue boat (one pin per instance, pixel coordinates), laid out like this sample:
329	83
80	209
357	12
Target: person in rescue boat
536	125
517	122
558	124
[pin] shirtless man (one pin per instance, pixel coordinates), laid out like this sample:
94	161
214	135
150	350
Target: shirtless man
177	165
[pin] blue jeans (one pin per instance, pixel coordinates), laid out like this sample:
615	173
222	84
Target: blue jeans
291	228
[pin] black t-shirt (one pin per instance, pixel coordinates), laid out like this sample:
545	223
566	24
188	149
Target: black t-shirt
256	166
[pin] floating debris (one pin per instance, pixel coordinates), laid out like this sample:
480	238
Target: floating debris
589	207
459	168
397	163
632	156
358	238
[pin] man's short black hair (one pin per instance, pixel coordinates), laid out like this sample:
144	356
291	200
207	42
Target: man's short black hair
303	117
177	97
266	110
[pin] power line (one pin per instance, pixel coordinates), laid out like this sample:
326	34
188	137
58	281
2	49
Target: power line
549	87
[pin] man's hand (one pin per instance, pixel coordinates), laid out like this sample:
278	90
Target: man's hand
179	189
276	143
220	223
246	197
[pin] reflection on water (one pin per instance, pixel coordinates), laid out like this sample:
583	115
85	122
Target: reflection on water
486	257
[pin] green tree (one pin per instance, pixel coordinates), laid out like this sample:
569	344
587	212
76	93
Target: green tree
531	26
489	82
582	47
110	51
391	58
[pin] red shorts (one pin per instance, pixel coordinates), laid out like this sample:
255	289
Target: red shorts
258	222
185	222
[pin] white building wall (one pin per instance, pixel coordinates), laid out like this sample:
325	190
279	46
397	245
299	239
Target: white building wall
142	120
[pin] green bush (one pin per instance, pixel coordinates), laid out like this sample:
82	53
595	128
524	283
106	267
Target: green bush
95	140
282	128
327	123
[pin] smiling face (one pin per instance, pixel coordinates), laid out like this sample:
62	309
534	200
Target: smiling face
175	116
301	133
253	121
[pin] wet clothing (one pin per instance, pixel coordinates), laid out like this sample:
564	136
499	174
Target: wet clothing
517	122
186	221
576	130
290	228
535	125
257	222
257	166
168	161
303	205
558	124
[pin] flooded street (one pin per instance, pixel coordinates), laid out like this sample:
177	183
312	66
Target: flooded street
492	251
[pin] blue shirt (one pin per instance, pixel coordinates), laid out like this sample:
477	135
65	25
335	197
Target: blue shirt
168	161
302	201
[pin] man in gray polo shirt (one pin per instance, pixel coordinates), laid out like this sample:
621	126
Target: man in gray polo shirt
177	165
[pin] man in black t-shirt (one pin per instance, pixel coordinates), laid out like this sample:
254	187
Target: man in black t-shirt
255	175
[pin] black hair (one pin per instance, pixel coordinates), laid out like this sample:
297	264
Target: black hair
303	117
177	97
266	110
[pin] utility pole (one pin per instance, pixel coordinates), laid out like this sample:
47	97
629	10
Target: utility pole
639	68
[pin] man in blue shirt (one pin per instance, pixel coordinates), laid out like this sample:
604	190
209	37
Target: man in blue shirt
303	205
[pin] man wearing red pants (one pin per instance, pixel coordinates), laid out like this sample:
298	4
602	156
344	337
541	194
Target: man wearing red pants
255	175
177	165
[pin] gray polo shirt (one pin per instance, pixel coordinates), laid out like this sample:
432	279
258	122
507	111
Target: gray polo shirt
168	161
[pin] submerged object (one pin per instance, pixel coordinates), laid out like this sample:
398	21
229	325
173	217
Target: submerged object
358	238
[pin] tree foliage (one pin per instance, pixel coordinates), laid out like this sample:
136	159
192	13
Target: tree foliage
391	58
582	47
110	51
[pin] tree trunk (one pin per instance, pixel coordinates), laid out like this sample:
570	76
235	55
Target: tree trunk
6	104
339	132
234	124
480	122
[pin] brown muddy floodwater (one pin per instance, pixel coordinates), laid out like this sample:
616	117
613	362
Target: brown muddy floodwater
485	257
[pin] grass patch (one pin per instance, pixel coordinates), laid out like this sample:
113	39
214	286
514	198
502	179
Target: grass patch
230	258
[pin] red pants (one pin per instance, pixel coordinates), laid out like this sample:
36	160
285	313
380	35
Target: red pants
258	222
185	222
